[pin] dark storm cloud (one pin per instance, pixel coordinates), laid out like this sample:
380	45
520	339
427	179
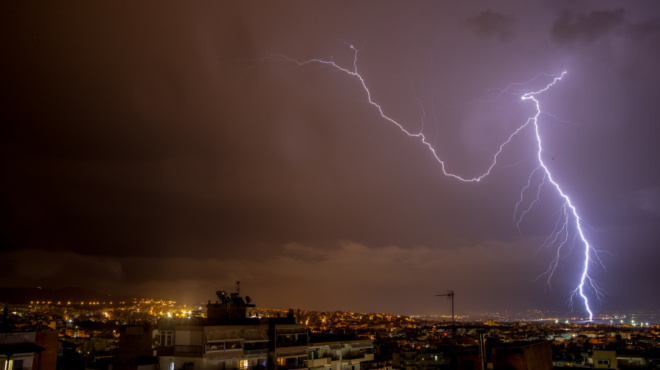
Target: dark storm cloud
490	23
171	153
643	30
336	272
646	200
37	266
583	29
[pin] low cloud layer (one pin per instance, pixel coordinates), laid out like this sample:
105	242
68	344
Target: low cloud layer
181	151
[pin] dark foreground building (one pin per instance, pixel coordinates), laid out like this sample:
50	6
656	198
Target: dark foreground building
535	355
229	339
28	350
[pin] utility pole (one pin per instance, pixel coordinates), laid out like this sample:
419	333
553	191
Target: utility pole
450	294
482	347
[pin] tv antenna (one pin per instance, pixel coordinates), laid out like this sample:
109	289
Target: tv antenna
450	294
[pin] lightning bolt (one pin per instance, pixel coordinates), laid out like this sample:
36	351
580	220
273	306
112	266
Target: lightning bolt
567	216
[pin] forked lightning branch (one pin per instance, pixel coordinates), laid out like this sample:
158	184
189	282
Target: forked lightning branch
561	238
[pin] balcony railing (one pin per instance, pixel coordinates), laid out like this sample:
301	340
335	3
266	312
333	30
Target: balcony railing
355	356
291	343
319	361
255	351
292	366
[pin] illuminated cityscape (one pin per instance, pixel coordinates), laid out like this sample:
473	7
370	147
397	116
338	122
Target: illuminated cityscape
402	185
233	334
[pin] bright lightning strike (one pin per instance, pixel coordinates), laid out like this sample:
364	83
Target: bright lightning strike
568	214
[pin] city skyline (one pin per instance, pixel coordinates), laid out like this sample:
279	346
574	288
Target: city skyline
177	152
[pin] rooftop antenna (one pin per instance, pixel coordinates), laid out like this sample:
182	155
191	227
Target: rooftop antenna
450	294
238	288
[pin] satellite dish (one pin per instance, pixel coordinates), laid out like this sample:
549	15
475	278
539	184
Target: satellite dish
247	299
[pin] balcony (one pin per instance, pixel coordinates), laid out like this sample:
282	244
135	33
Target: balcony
292	366
291	343
293	361
255	352
354	358
319	362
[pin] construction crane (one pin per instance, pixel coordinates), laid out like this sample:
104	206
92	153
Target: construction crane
450	294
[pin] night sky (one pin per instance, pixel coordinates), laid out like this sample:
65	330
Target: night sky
169	150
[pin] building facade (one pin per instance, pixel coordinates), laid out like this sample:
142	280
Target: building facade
338	352
228	339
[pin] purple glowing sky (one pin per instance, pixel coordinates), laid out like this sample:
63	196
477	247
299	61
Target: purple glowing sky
162	150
